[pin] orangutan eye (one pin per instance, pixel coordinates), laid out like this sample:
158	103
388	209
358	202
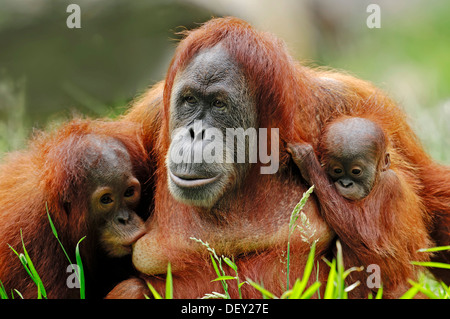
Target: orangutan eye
106	199
129	192
190	99
338	171
219	104
356	171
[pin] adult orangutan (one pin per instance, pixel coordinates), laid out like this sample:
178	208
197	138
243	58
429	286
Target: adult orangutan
85	173
228	75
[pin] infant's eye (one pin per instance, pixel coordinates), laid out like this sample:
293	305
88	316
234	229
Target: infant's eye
106	199
337	171
129	192
356	171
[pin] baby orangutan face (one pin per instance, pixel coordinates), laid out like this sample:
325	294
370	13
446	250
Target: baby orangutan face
114	196
355	155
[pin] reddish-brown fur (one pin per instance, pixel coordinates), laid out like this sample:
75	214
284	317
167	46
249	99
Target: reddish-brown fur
48	172
376	229
300	101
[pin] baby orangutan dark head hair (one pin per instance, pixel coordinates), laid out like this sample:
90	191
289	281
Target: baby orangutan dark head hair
354	153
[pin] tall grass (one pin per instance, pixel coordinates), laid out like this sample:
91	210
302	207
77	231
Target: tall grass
304	227
30	269
335	286
221	275
79	272
169	286
33	274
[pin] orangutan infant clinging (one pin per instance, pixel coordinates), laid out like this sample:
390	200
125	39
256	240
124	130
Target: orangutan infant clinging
354	155
369	199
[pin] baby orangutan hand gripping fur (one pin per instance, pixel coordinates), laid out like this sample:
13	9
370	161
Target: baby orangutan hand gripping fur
85	173
368	207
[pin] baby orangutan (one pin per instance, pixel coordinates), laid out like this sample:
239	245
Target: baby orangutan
355	156
368	205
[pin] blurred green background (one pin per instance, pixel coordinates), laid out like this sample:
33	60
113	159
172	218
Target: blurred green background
48	72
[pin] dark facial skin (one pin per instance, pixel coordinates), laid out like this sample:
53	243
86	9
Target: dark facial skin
211	89
354	157
114	194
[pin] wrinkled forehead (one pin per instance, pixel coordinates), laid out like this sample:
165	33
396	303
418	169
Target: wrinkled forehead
210	66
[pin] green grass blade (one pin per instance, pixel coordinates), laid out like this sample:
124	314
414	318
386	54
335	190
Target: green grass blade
379	293
317	278
3	294
261	289
329	289
52	226
340	283
446	289
55	233
224	278
215	266
80	274
311	290
11	247
295	292
169	283
241	284
309	266
18	293
410	293
23	261
300	287
34	274
329	264
156	295
423	290
431	264
433	249
230	263
288	261
219	274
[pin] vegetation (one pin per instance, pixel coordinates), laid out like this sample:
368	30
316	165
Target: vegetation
335	287
29	267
